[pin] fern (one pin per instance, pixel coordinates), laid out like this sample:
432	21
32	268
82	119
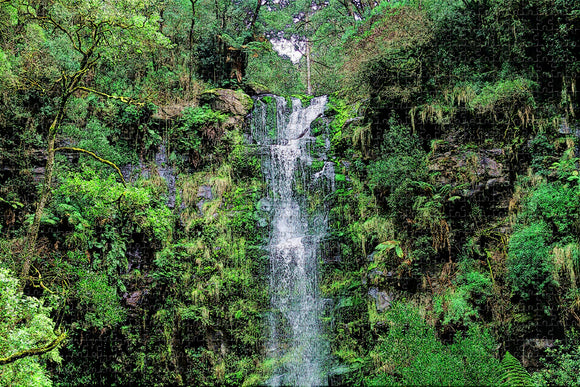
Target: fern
514	373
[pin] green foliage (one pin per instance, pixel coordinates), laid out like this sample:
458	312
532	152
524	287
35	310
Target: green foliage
462	305
24	324
410	354
566	168
542	151
402	162
505	95
549	220
449	69
276	73
455	306
197	133
561	364
529	267
514	373
197	117
555	204
99	301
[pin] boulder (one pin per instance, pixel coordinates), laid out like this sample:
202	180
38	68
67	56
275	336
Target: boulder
229	101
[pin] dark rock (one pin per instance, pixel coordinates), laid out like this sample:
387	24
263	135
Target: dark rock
494	183
200	206
233	122
533	350
135	298
480	168
352	121
204	191
383	301
38	174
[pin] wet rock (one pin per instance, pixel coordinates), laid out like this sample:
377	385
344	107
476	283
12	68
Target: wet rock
199	206
204	191
565	128
135	298
38	174
533	350
383	301
165	170
233	122
236	103
457	166
352	121
481	172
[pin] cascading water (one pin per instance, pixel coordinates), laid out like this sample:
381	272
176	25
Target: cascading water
296	228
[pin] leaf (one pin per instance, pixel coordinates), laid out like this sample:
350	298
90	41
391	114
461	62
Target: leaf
399	251
387	245
453	198
514	372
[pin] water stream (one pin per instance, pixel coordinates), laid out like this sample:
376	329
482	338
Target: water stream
297	226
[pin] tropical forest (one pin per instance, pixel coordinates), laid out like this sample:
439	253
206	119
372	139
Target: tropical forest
289	192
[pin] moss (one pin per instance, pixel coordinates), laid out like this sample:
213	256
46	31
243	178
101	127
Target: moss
245	100
304	99
317	165
318	127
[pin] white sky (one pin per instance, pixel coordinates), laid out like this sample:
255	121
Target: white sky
286	47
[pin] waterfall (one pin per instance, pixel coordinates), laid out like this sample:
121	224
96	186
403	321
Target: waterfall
297	226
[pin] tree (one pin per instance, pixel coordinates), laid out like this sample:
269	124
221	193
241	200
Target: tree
65	42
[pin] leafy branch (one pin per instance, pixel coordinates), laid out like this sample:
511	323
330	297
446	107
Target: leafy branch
102	160
35	351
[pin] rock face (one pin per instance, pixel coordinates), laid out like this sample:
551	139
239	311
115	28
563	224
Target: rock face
206	195
383	300
229	101
479	170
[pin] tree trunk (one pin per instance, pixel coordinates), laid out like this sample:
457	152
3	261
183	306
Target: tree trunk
308	69
35	226
308	65
190	40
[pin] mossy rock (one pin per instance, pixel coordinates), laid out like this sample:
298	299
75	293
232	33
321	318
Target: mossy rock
318	127
234	102
254	88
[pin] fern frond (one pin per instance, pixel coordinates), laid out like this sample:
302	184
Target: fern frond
514	373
